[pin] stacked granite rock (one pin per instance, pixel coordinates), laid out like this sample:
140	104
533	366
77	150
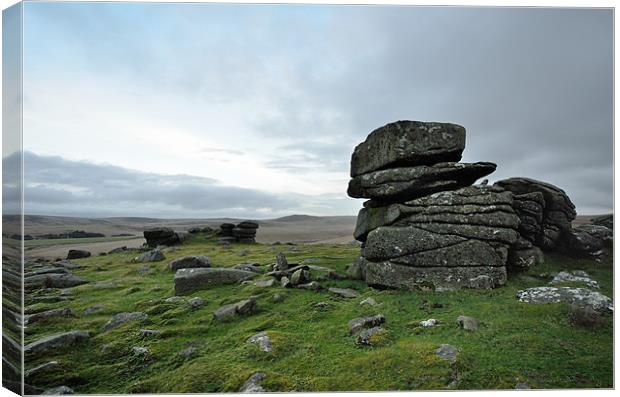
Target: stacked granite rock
425	226
244	232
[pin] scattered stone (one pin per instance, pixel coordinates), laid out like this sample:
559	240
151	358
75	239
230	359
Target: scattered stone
578	296
248	266
196	302
151	256
147	333
281	262
285	282
320	305
188	353
189	280
188	262
368	336
522	386
312	286
368	301
56	391
33	318
245	307
56	342
140	351
265	283
577	276
174	299
263	341
77	254
447	352
468	323
357	324
252	385
344	292
122	318
431	322
53	280
300	277
32	373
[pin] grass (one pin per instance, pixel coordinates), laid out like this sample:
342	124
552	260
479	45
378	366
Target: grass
312	349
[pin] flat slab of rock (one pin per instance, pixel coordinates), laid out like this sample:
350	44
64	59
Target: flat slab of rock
151	256
344	292
468	323
188	280
33	318
367	337
122	318
56	342
189	262
577	276
407	183
358	324
54	280
578	296
408	143
393	275
447	352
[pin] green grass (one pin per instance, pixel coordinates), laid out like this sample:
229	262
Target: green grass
312	349
28	244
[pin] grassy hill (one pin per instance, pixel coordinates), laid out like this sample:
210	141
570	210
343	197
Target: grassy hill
517	342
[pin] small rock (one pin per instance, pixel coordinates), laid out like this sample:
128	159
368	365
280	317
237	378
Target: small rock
300	277
33	372
188	353
94	309
195	302
368	301
522	386
33	318
55	391
252	385
357	324
263	341
122	318
147	333
312	286
344	292
468	323
429	323
265	283
277	298
78	254
174	299
248	266
281	262
577	276
188	262
245	307
365	338
139	351
447	352
285	282
151	256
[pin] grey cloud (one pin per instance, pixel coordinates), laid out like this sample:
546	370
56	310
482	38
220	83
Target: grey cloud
54	185
223	151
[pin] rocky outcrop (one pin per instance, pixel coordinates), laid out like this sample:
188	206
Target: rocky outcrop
557	213
425	226
244	232
590	241
56	342
604	220
162	236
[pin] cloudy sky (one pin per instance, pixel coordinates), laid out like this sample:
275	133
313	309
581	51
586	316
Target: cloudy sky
199	110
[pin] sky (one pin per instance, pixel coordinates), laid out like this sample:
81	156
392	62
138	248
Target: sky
207	110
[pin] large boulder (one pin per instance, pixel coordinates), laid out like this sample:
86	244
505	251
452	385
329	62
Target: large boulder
53	280
162	236
407	183
151	256
78	254
558	212
407	143
188	280
591	241
581	297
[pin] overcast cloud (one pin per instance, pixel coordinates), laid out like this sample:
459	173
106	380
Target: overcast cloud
264	104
